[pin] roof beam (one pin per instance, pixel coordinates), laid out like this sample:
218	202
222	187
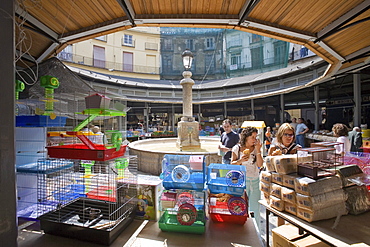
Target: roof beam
41	26
277	29
187	21
230	22
35	29
129	11
47	52
364	52
331	51
101	27
247	9
338	23
25	56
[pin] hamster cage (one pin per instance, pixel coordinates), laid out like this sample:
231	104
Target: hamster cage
95	201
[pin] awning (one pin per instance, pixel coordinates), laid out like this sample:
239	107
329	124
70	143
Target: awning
256	124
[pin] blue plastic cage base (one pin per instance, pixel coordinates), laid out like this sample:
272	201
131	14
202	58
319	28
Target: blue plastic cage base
39	121
195	182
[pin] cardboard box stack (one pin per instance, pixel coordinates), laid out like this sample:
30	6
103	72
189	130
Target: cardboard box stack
304	197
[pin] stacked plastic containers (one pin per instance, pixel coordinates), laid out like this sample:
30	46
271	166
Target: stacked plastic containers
227	200
183	198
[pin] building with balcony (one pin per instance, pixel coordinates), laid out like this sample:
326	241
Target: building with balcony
134	52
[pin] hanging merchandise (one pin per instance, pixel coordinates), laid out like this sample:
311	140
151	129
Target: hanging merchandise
44	117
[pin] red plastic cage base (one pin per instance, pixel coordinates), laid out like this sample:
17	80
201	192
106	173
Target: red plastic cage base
82	152
225	218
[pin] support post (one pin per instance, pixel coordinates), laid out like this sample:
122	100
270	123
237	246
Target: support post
8	204
282	108
317	106
357	99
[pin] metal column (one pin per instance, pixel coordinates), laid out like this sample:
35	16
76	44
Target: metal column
317	106
8	205
173	120
225	110
357	99
282	108
252	109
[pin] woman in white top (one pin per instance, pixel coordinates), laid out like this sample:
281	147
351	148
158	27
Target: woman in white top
248	153
341	131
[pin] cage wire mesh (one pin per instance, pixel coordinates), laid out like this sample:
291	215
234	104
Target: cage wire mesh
96	195
68	98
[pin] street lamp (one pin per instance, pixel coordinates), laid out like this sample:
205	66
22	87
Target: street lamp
188	128
187	58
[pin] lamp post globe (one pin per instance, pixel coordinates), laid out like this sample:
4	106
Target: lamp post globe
187	58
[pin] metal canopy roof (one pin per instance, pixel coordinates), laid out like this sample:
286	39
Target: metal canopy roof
336	30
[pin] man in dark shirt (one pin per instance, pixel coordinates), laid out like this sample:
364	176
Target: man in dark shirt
228	140
355	138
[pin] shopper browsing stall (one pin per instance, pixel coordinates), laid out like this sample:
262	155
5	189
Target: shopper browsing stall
268	136
228	140
300	131
285	141
248	153
355	138
341	131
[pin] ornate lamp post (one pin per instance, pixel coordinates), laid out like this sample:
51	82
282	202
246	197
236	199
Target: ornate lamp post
187	84
188	128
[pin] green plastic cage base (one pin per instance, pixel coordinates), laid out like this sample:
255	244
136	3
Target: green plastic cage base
169	223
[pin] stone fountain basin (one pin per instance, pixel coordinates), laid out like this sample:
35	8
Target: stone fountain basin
150	152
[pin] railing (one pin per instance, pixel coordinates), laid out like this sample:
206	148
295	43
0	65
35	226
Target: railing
88	61
234	43
249	68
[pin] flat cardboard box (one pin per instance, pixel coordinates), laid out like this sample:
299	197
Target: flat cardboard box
288	236
309	241
283	235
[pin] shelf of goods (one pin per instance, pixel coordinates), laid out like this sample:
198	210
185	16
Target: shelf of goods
328	186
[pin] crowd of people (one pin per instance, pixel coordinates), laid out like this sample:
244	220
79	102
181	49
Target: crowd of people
286	139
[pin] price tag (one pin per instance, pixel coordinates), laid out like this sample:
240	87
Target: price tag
213	201
302	154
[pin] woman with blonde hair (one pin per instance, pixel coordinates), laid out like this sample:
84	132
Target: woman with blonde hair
285	141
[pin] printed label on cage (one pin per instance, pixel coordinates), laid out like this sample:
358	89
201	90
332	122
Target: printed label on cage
213	175
302	154
213	201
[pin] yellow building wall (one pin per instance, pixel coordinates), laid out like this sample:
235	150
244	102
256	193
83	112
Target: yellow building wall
145	61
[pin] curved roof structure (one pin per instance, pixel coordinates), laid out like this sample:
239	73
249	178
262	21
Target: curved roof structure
336	30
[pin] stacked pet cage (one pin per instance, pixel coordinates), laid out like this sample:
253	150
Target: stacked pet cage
95	201
227	200
183	200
